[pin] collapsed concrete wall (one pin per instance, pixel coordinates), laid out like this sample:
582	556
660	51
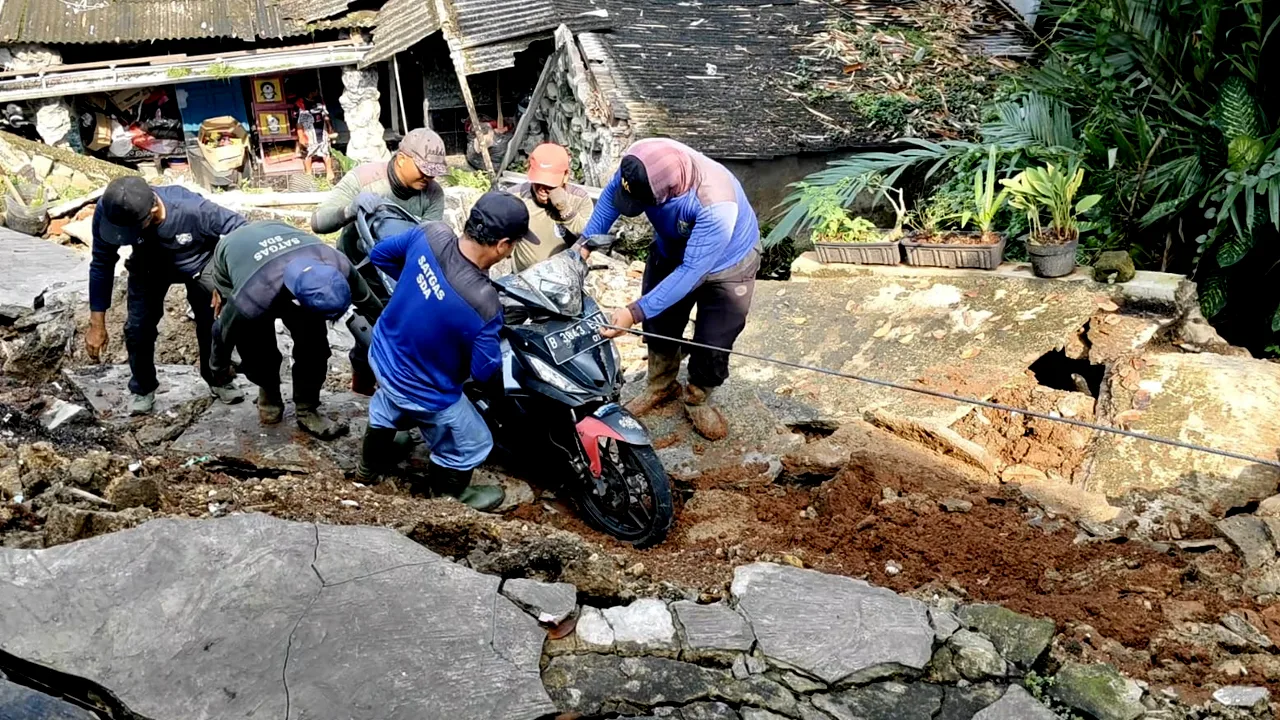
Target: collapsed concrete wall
576	110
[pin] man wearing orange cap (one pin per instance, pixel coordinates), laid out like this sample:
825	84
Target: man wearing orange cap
558	211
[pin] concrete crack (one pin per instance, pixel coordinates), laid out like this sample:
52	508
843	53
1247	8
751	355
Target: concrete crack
376	573
288	648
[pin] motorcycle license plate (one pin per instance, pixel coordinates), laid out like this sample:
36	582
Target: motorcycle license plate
576	339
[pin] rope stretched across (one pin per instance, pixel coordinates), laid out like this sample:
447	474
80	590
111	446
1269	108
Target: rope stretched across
960	398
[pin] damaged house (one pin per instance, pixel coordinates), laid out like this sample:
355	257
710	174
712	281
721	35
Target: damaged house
774	89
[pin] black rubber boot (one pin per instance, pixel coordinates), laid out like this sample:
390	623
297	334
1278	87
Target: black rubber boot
457	484
376	450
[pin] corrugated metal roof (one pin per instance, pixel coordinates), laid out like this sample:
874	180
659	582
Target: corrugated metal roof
107	21
404	23
490	32
713	73
309	10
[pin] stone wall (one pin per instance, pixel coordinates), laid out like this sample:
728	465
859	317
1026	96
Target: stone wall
576	113
61	172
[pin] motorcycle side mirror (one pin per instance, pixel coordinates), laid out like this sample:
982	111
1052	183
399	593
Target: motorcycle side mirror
599	242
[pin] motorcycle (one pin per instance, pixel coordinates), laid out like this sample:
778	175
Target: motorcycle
561	384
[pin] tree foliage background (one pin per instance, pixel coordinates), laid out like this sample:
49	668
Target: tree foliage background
1173	108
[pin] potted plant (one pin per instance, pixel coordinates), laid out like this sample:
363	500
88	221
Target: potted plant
839	237
1052	247
934	245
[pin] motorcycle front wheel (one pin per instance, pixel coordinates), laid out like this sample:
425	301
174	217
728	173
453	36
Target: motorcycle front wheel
636	505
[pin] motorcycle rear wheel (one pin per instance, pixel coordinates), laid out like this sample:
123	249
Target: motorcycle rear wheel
637	507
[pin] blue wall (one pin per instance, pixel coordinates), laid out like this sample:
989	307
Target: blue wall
212	98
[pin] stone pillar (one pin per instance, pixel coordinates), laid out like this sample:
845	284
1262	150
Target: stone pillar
54	121
361	110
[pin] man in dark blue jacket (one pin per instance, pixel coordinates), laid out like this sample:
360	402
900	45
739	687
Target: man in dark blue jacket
706	254
441	328
173	233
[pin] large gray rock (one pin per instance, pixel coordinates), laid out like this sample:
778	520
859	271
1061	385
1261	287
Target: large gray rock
550	603
594	684
834	628
883	701
21	703
711	630
1017	704
974	657
1243	696
1020	639
1098	690
249	617
962	703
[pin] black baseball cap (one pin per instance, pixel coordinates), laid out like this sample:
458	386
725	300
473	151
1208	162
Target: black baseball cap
499	215
126	205
635	194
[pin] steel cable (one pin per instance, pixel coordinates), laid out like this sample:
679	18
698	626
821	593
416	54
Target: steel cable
960	398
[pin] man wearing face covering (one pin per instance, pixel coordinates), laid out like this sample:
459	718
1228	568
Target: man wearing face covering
706	254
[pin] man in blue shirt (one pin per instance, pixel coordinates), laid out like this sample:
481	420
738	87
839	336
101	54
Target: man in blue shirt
441	328
706	253
173	232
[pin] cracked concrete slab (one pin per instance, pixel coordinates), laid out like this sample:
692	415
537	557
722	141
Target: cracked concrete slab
250	616
106	389
30	267
1215	400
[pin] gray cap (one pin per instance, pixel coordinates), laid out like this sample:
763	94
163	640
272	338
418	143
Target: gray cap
426	149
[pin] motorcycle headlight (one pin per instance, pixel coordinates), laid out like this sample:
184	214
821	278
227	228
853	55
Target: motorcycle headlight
553	377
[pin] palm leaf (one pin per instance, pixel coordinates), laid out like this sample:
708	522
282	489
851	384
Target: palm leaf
1275	321
1033	120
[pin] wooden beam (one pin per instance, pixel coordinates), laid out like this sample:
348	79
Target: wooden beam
449	28
522	127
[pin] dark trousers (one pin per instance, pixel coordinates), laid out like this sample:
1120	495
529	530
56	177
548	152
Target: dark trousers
723	300
148	286
260	357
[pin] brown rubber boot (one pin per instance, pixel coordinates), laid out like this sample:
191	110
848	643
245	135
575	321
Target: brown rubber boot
661	387
310	419
270	405
706	418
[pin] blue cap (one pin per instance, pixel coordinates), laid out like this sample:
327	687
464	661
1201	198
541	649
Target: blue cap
318	287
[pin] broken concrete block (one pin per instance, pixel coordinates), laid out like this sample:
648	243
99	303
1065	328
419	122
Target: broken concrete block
1248	535
713	629
129	491
1242	696
975	657
42	166
58	411
644	626
67	524
550	603
1016	704
593	631
40	466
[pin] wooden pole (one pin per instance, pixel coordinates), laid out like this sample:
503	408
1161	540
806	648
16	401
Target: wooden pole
522	127
395	69
448	26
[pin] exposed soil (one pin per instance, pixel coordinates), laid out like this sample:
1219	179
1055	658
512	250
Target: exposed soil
880	519
176	344
955	238
1018	439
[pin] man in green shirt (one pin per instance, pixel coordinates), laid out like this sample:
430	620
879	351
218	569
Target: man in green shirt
407	180
268	270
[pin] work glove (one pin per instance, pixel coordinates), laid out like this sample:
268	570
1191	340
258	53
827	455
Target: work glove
559	199
365	201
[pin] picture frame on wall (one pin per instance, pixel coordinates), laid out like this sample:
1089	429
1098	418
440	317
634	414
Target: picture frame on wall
268	90
273	123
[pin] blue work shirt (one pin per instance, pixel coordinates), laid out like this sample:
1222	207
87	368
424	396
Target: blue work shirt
183	243
702	220
441	325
